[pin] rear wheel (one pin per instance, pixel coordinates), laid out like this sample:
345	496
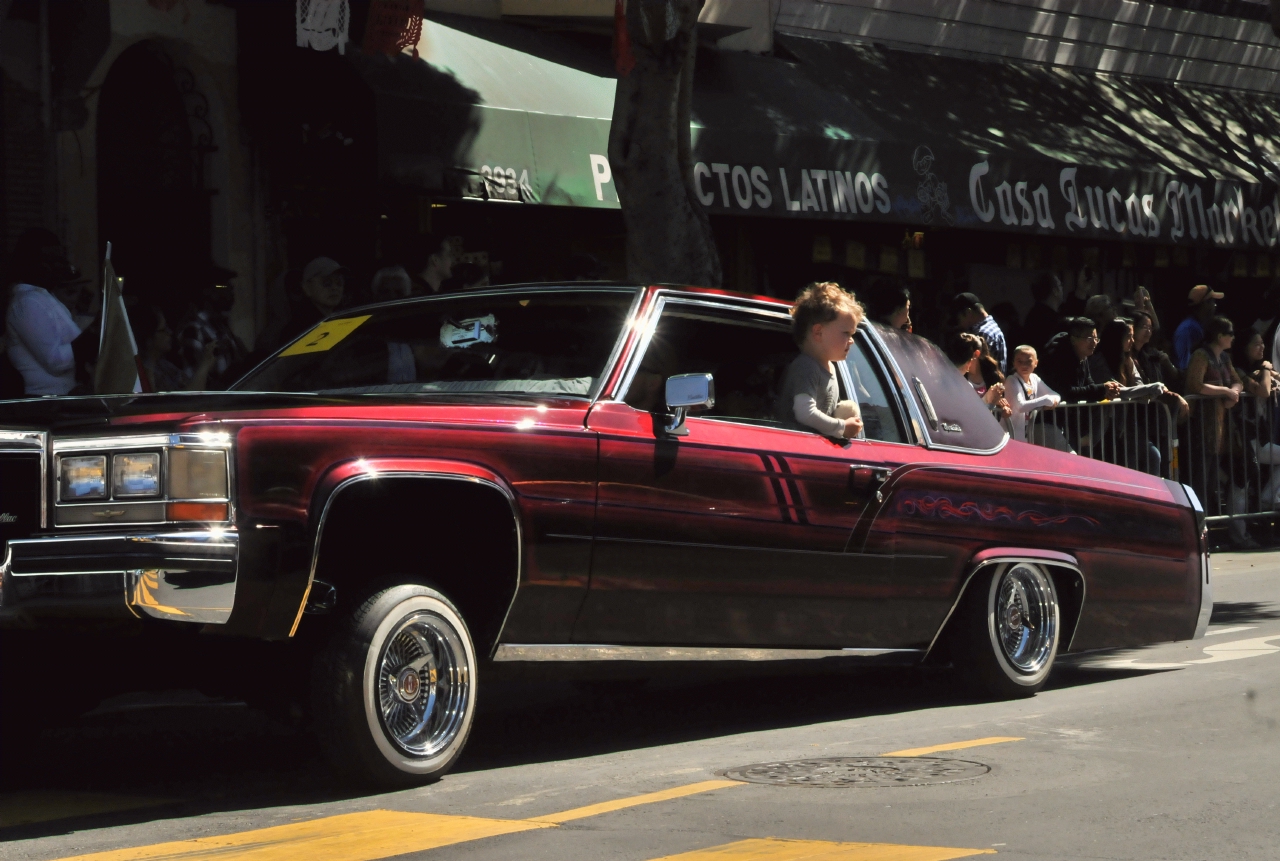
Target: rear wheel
396	688
1009	629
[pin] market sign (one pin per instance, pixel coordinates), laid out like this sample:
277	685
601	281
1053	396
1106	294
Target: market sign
913	186
494	112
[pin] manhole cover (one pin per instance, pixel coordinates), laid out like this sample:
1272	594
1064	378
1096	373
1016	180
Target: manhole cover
860	771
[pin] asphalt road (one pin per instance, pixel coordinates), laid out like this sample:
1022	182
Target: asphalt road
1171	752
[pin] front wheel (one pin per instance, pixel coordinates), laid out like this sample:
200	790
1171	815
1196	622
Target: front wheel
395	690
1009	630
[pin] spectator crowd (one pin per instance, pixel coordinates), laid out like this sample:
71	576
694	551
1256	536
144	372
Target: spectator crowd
1082	350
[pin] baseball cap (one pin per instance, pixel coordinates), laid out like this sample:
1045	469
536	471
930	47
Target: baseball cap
322	267
964	301
1200	292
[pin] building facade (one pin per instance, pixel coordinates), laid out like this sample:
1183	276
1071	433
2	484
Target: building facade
952	144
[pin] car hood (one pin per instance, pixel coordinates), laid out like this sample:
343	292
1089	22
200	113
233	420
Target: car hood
106	412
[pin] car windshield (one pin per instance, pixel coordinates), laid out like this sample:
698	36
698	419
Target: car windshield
535	342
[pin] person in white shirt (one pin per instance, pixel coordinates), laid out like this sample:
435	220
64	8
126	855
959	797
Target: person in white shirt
39	328
1026	392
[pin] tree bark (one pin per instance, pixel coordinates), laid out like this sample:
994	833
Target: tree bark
669	239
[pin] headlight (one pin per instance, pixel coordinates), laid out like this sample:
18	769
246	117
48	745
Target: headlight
134	475
82	478
197	474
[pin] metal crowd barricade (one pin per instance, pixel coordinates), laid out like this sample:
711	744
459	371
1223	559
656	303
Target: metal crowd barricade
1231	456
1141	435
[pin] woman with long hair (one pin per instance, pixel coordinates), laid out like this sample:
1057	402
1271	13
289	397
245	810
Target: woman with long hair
1115	347
1218	456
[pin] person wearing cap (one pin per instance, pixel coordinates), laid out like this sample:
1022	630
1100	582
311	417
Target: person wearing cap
323	287
972	317
39	328
1202	304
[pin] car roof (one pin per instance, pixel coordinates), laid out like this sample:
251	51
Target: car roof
567	286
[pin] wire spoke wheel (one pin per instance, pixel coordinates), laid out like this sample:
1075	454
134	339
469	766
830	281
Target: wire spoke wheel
1025	618
422	684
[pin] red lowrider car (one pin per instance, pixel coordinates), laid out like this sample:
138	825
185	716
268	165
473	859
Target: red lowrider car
573	473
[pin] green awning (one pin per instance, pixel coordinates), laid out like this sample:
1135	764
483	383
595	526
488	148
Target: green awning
495	111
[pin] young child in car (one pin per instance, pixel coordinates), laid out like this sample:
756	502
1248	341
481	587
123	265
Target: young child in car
824	320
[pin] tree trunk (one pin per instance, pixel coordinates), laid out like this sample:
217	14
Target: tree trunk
669	239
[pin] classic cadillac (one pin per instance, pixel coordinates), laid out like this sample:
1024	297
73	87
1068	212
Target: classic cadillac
413	490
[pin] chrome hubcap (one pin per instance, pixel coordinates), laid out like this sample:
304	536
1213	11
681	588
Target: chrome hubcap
1026	624
423	684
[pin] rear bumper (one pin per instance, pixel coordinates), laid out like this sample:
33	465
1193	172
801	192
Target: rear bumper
187	575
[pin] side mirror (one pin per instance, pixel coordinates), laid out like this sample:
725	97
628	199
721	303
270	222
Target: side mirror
685	391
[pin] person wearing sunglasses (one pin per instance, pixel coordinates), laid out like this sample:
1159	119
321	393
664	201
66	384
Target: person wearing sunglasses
1066	367
1216	456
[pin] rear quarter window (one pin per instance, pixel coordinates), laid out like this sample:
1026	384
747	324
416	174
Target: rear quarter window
954	414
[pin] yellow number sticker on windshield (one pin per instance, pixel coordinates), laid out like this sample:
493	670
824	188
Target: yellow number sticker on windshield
325	335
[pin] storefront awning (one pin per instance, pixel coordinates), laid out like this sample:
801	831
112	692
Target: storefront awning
842	132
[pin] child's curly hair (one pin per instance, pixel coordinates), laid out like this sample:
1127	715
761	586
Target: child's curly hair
821	302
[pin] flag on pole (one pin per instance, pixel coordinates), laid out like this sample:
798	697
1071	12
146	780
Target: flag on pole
117	369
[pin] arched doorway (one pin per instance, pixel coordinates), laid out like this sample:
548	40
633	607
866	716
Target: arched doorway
152	142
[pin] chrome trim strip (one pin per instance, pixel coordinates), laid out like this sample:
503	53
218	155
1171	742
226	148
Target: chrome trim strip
324	514
194	536
1206	600
999	560
618	346
209	439
592	652
33	439
225	539
641	347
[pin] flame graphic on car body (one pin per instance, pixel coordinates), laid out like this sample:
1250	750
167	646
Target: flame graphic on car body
942	507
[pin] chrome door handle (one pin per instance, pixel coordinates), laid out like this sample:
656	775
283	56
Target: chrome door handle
864	478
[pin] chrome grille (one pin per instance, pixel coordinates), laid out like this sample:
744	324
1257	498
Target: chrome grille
20	495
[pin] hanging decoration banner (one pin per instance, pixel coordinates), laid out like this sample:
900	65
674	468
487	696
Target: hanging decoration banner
323	24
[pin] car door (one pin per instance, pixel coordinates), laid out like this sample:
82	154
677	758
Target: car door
736	533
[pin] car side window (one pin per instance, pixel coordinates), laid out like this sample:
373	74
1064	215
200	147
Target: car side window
746	353
880	420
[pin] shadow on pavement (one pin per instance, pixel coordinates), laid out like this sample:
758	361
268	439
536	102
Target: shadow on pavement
1242	611
188	755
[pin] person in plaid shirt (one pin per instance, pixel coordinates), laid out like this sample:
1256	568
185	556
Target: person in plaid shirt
972	317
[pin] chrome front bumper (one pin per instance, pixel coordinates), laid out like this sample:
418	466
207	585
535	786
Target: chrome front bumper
187	576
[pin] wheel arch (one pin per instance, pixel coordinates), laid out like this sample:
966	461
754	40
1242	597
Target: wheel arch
1064	568
380	483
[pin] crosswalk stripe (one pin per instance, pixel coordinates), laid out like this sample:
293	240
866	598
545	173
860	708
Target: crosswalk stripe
633	801
955	745
775	849
347	837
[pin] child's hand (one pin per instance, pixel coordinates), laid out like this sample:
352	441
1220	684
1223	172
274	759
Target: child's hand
852	427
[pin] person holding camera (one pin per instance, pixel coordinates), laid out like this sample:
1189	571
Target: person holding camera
207	330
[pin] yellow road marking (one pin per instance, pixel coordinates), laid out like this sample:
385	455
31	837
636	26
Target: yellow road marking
648	798
25	808
955	745
372	835
775	849
346	837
